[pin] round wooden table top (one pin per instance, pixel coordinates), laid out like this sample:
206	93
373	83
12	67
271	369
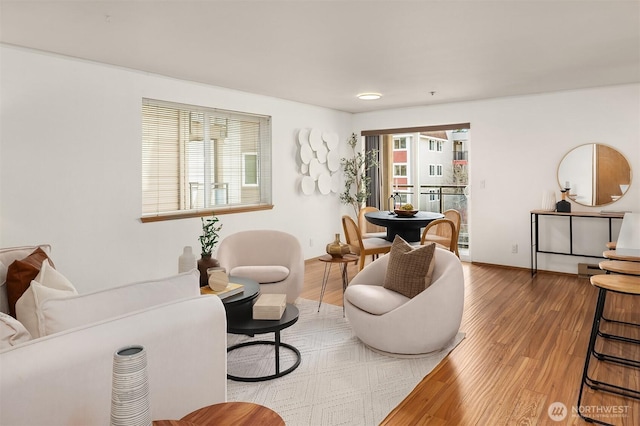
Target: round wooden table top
347	258
620	267
235	414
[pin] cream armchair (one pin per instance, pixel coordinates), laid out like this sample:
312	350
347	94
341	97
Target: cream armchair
390	322
272	258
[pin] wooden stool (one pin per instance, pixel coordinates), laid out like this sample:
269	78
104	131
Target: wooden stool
623	284
620	267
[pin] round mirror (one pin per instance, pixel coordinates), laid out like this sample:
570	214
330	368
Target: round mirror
595	174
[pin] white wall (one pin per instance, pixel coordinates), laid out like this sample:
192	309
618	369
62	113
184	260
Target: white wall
515	147
70	167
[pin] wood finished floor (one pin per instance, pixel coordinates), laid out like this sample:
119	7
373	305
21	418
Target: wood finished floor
525	344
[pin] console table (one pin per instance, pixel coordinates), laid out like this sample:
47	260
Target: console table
535	236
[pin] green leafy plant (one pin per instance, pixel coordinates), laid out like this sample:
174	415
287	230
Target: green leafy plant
356	183
209	237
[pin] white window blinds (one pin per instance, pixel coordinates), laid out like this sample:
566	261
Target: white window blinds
197	159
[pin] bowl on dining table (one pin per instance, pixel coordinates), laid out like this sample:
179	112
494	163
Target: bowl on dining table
405	213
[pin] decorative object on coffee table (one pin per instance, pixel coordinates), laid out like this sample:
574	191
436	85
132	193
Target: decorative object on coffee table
130	404
218	278
269	306
208	241
337	248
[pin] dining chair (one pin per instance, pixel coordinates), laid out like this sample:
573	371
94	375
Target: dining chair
454	215
442	232
363	247
368	229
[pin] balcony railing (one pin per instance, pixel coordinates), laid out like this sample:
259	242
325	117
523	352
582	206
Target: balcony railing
439	198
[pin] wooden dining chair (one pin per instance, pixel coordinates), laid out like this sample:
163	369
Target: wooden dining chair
363	247
368	229
454	215
443	232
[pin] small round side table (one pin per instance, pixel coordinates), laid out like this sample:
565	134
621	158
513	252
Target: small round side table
343	262
228	414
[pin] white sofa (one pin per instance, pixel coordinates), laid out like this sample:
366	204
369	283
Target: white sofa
65	378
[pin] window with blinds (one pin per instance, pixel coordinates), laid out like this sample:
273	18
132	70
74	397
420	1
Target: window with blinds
196	160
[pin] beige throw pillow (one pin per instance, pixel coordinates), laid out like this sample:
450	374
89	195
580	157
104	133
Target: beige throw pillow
410	268
12	332
48	284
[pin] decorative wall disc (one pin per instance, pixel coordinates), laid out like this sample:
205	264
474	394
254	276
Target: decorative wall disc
320	161
315	139
308	185
324	183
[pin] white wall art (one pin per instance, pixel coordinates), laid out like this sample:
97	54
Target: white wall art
319	161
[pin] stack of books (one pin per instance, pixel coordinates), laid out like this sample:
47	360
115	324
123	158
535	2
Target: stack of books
231	290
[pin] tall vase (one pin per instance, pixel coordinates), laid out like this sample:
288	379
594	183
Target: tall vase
204	263
130	404
187	260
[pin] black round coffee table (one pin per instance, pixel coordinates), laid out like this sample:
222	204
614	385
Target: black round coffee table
250	327
240	305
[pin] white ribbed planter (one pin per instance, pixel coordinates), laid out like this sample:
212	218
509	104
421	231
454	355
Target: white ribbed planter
130	405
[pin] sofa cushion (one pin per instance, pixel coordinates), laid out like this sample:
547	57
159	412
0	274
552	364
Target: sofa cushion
20	274
262	274
374	299
48	284
12	332
408	268
7	256
61	314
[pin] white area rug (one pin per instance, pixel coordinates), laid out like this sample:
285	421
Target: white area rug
339	381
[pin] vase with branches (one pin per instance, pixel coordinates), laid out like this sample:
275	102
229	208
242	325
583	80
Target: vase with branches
356	181
208	240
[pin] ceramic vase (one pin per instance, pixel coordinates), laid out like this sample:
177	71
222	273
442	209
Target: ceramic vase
204	263
336	248
549	201
187	260
130	403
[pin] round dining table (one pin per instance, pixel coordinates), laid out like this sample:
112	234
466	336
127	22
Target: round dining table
406	227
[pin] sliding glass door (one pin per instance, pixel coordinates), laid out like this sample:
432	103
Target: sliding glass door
428	168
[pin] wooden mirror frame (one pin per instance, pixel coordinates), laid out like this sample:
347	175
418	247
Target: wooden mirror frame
596	174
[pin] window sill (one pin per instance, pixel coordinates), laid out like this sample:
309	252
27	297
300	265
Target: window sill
202	213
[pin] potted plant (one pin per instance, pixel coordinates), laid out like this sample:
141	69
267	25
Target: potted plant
356	182
208	241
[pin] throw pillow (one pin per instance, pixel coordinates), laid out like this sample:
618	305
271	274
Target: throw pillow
48	284
12	332
20	274
408	268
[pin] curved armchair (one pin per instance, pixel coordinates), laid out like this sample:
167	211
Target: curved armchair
400	325
272	258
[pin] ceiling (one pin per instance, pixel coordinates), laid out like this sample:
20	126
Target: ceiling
326	52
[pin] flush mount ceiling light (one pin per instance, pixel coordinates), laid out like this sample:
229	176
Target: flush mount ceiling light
369	96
